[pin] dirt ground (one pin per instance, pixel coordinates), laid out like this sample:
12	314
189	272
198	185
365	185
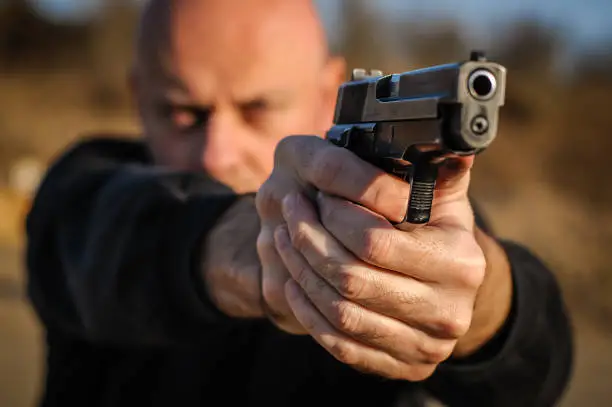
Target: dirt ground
21	368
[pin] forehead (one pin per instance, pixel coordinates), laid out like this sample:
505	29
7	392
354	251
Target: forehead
240	46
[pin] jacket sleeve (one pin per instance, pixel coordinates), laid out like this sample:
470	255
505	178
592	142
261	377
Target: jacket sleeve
113	247
529	362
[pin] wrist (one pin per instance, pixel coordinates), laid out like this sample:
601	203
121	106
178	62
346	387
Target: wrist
493	301
229	266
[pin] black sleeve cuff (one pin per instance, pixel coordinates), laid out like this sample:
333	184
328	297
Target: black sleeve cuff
213	313
194	221
529	361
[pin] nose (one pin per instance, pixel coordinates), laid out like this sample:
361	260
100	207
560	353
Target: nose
222	145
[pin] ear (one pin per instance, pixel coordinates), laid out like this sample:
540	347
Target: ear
336	67
334	75
132	84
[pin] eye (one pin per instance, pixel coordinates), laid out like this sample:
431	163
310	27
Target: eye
186	118
254	111
183	119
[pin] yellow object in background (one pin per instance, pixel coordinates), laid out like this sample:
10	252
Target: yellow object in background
16	198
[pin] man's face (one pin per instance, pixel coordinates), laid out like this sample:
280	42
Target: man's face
234	83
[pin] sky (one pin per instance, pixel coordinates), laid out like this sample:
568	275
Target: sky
585	22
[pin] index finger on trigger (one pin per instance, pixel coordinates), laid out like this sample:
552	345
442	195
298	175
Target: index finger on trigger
339	172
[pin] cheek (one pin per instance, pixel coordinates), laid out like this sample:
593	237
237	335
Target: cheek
260	156
314	117
303	119
300	120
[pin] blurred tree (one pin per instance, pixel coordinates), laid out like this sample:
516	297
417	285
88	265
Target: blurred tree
580	164
530	50
28	41
362	42
431	42
595	66
531	47
110	47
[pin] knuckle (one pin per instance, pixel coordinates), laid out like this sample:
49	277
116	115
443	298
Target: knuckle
328	267
375	247
418	373
233	273
452	326
301	237
345	352
286	323
434	354
247	280
325	264
265	246
345	316
284	148
379	196
273	293
470	276
302	275
327	168
265	202
348	283
469	263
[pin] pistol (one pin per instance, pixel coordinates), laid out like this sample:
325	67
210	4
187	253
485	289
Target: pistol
408	124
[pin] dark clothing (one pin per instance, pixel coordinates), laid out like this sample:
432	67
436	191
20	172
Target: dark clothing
112	258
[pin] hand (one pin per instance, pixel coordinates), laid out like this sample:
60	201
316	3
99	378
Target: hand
231	266
283	181
383	300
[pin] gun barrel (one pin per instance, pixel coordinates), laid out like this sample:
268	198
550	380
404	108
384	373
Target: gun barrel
482	84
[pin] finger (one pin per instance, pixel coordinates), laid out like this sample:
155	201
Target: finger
273	278
346	349
338	171
426	307
235	305
363	325
450	256
353	279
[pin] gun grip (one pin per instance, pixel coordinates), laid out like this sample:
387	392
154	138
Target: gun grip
422	185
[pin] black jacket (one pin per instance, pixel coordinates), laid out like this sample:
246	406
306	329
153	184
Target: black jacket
111	260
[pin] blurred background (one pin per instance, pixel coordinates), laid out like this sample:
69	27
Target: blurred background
545	181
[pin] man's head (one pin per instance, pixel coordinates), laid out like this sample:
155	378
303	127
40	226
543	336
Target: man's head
220	82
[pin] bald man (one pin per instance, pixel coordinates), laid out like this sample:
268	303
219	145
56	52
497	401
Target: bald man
222	261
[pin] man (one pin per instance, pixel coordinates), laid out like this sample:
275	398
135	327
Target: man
161	280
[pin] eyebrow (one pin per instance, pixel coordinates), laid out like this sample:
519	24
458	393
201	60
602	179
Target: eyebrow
273	94
178	94
174	85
